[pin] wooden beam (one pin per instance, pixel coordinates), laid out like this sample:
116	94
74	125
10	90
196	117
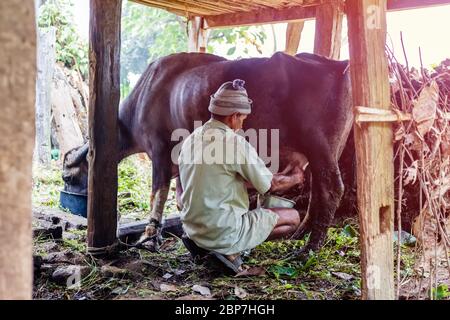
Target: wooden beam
327	40
374	146
197	35
171	226
104	55
17	95
293	36
262	16
395	5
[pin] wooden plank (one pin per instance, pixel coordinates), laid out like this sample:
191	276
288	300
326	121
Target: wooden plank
293	36
261	17
327	39
197	35
171	226
104	55
17	95
262	12
365	114
374	146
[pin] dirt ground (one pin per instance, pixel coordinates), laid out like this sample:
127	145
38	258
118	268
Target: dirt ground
64	271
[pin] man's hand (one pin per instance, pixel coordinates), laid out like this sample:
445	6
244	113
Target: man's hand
282	182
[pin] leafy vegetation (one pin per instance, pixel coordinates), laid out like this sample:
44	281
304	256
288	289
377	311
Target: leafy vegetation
71	50
149	33
230	39
134	187
47	183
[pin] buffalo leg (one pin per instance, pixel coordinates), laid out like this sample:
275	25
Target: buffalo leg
161	174
179	190
326	193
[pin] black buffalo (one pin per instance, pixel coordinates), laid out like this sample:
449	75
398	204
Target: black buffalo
307	97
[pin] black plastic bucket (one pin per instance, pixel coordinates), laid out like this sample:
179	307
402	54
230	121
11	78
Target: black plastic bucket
74	202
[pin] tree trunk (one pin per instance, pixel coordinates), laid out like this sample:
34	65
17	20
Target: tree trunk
46	58
17	94
67	128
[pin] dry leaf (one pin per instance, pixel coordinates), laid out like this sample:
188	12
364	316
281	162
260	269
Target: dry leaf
240	292
343	275
424	110
399	133
253	271
410	174
167	287
167	276
204	291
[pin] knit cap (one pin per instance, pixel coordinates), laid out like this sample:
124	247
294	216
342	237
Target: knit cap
230	98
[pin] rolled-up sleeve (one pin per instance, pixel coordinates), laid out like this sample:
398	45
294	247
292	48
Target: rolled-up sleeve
252	168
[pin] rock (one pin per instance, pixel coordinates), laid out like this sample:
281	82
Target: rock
47	267
70	236
179	272
167	276
47	230
48	246
167	287
69	275
67	220
112	272
136	266
204	291
406	238
240	292
56	257
65	256
343	275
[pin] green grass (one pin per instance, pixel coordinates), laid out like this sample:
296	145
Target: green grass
134	187
47	183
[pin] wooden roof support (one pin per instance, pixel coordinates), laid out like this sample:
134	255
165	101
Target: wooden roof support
327	40
261	17
17	94
197	35
394	5
104	55
374	146
231	13
293	36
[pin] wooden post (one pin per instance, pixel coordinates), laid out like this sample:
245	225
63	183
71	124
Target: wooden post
17	95
327	40
46	59
197	35
104	55
293	35
374	146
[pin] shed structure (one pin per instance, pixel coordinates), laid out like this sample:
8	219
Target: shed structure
369	72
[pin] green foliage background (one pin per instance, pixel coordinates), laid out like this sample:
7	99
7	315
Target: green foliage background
71	50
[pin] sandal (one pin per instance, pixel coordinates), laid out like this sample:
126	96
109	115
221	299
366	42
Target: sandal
235	265
193	248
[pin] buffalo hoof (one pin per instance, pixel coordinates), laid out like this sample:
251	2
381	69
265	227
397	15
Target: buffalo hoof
151	245
150	239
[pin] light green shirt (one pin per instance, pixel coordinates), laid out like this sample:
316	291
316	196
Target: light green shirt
214	163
